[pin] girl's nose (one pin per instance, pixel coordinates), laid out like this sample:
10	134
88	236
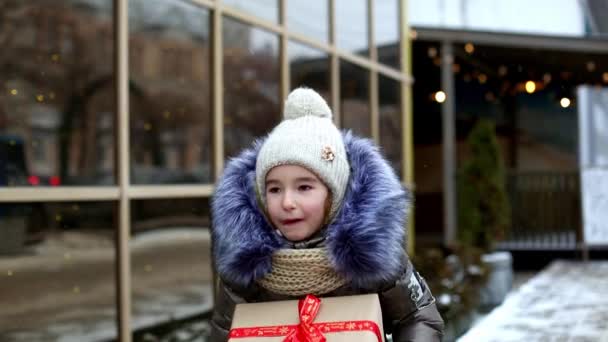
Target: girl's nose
288	201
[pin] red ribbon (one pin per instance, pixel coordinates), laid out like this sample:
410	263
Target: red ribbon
308	308
307	331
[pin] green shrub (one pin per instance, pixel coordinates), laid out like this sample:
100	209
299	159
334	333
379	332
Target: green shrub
483	208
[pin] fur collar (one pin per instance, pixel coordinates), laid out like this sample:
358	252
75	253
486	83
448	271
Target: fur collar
364	242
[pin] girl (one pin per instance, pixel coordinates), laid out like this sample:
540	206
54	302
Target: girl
309	210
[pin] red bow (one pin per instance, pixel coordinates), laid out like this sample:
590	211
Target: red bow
308	308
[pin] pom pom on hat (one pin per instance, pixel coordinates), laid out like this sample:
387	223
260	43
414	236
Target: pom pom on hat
303	102
306	137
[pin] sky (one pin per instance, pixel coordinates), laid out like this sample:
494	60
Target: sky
551	17
309	17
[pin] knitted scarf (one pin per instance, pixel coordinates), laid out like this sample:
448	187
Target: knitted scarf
298	272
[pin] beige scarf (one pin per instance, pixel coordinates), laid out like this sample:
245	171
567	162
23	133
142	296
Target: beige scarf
298	272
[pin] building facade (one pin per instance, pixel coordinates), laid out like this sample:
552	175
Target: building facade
518	65
116	118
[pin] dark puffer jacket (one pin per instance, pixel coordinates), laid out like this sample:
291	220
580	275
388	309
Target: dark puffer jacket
364	244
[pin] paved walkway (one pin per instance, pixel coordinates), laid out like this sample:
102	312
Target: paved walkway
567	301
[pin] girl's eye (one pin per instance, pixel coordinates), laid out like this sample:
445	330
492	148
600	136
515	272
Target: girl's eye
273	190
304	187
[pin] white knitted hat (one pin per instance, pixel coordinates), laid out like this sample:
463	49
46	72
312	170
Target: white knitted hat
307	137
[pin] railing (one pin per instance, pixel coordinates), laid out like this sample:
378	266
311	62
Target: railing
545	211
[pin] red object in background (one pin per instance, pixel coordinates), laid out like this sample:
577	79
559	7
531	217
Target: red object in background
55	181
33	180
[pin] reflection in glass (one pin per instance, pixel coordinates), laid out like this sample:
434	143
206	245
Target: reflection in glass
309	18
351	26
170	119
391	134
354	93
251	84
309	67
386	31
170	260
57	278
56	103
265	9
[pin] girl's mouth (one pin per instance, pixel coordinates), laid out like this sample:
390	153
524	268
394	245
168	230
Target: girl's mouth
292	221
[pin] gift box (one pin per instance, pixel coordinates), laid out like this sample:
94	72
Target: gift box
311	319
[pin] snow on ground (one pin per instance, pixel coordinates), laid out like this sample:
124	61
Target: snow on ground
568	301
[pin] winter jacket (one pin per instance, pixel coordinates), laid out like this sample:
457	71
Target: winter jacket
364	243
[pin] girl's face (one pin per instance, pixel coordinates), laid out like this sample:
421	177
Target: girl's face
296	200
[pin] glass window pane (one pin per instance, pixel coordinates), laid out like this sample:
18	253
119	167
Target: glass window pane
354	93
57	262
265	9
170	120
309	67
309	18
386	31
351	26
391	134
170	262
251	84
57	99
